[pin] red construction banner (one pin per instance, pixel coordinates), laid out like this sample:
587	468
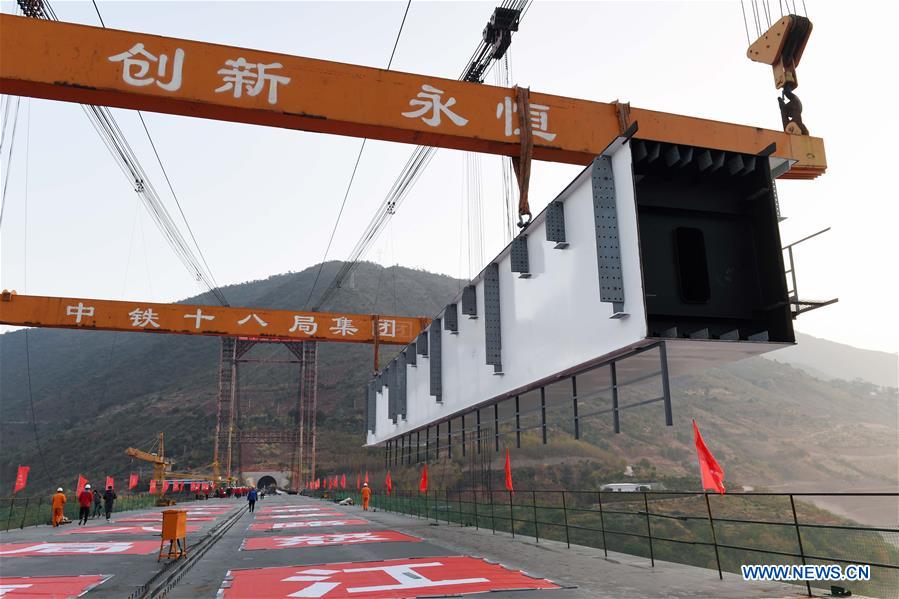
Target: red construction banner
165	486
366	477
49	586
423	483
21	478
110	482
153	486
306	524
711	472
80	486
100	548
388	482
319	540
509	486
132	481
388	579
126	530
358	480
343	481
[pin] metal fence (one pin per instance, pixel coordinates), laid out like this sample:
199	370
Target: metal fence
720	532
19	512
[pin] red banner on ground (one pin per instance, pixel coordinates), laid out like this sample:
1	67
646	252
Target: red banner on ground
319	540
388	579
306	524
80	486
132	481
153	486
285	510
49	586
126	530
21	478
158	518
99	548
318	515
109	482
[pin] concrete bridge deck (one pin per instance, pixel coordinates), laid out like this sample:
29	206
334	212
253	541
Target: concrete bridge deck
300	547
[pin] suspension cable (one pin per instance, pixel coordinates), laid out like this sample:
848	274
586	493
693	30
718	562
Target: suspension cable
474	71
349	186
113	138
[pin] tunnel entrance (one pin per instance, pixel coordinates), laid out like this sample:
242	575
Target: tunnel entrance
266	482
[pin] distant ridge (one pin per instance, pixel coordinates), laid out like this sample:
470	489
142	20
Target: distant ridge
830	360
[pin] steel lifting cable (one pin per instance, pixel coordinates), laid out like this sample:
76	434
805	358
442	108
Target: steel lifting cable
416	163
12	142
346	195
114	139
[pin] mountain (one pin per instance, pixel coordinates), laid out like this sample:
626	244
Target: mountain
96	393
829	360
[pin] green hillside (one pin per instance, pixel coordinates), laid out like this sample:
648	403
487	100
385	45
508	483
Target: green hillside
96	393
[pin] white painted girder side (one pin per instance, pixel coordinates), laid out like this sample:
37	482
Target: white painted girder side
550	322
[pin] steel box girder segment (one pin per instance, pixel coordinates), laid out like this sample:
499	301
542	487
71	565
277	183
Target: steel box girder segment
190	319
66	62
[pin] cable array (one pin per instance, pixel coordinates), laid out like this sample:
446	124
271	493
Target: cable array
476	68
113	138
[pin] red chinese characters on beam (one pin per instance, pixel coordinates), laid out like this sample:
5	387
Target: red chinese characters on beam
388	579
324	539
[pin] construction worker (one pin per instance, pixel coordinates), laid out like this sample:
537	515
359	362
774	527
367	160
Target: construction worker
59	502
98	504
366	496
109	498
85	499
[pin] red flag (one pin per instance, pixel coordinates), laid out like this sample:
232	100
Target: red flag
509	486
132	481
389	483
152	485
165	486
423	483
21	478
366	477
343	481
109	482
358	480
80	486
712	473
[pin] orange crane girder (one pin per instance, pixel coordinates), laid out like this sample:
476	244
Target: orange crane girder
189	319
77	63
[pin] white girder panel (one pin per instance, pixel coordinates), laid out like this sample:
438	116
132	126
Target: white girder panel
550	322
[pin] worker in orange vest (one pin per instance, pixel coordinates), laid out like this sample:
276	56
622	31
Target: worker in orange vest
366	496
59	501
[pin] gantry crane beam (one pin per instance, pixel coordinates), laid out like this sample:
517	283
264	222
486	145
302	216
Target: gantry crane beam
89	65
190	319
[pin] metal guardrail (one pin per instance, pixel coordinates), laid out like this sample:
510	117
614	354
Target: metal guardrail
723	531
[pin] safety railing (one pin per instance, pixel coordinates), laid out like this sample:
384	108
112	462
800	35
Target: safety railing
19	512
720	532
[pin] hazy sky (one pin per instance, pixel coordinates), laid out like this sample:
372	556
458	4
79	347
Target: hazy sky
262	201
